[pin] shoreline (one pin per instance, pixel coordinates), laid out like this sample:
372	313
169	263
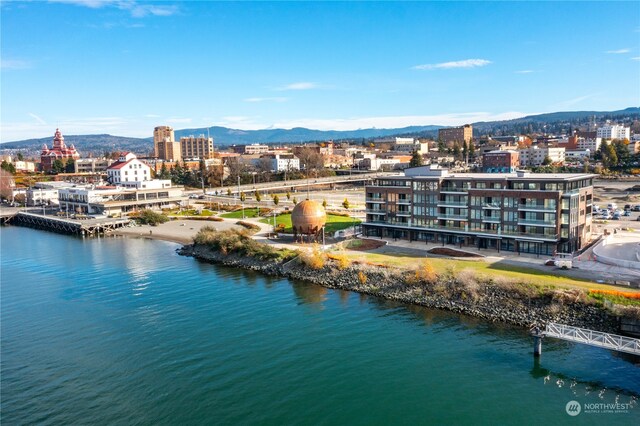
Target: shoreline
509	303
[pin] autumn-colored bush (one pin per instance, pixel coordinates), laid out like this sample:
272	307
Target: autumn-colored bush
341	259
314	258
362	278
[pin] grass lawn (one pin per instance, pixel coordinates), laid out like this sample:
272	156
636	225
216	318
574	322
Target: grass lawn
483	268
334	223
248	212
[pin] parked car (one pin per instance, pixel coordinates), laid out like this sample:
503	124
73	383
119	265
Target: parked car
627	207
616	216
606	214
636	208
638	219
626	213
612	206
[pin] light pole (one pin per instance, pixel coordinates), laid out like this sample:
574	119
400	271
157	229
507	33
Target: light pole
238	186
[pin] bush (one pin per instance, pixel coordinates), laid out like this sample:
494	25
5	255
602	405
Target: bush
425	273
149	217
362	278
341	259
250	226
313	258
234	241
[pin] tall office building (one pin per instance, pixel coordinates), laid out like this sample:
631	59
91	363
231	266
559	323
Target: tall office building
165	145
196	147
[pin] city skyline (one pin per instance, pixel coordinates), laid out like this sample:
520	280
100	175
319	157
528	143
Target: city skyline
124	67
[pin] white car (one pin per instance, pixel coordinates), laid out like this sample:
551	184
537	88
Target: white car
606	214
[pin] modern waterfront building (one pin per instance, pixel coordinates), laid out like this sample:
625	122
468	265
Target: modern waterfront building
200	148
112	200
540	213
456	134
59	151
165	145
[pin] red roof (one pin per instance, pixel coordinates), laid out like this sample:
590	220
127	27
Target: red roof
119	164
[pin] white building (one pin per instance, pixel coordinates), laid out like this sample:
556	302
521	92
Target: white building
577	154
112	200
534	156
282	162
613	131
256	148
128	169
592	144
91	165
47	192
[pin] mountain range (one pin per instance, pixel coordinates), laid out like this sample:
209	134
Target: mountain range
223	136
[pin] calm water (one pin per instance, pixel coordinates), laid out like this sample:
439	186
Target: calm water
113	331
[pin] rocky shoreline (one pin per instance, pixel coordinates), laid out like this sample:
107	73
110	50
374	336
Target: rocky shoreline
489	301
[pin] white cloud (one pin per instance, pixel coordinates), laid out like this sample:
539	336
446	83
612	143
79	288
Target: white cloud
467	63
636	58
136	9
14	64
619	51
37	118
152	116
525	72
272	99
302	85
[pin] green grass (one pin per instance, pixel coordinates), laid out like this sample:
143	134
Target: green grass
522	274
248	212
334	223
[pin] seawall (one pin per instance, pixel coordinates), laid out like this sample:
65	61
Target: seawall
518	305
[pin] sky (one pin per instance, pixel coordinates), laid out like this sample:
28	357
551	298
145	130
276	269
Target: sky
123	67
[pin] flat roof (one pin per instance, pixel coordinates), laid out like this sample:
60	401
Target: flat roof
498	176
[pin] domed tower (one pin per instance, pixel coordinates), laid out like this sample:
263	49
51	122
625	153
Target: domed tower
308	218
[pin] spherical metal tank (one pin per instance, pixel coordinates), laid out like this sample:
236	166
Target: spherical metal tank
308	217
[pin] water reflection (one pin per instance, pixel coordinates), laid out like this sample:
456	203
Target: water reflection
309	293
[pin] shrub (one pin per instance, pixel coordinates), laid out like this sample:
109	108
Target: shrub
362	278
234	241
341	259
425	273
313	258
250	226
149	217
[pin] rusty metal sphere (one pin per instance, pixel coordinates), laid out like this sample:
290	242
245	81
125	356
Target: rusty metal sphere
308	217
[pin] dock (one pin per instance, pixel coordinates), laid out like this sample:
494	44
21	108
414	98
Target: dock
585	336
63	225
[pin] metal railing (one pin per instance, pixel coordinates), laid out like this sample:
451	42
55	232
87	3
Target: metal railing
593	338
536	207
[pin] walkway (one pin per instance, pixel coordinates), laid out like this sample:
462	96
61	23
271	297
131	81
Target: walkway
593	338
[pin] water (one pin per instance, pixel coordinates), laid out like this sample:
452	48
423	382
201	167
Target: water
114	331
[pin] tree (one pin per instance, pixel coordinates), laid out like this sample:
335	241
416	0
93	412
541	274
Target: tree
547	161
164	173
346	204
609	156
229	192
288	195
70	167
324	204
416	159
457	153
6	184
258	196
20	156
472	150
442	147
57	166
276	199
294	201
243	197
8	167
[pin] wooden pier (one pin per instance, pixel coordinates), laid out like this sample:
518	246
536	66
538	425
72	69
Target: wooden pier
64	225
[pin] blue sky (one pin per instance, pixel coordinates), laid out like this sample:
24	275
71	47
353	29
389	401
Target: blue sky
123	67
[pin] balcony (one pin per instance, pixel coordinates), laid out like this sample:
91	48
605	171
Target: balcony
380	212
403	214
404	202
455	204
533	222
491	219
375	200
442	216
536	208
454	189
492	206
